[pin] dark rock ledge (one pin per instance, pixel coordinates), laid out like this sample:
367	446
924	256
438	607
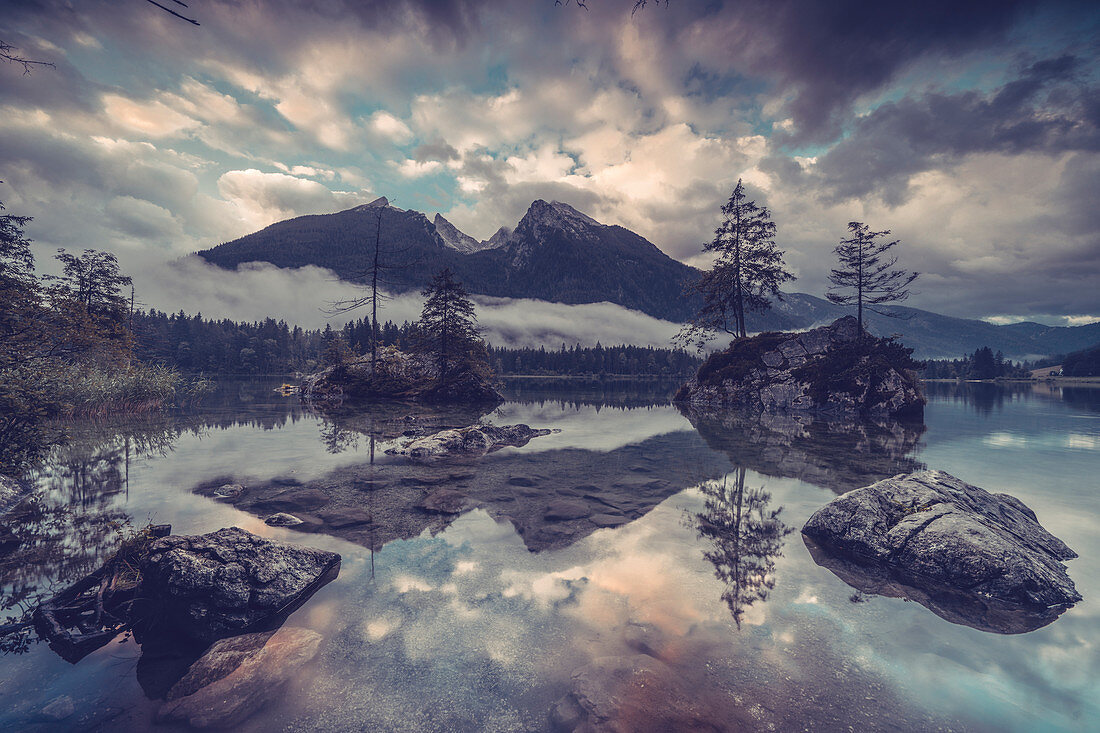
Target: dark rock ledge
951	541
184	588
828	370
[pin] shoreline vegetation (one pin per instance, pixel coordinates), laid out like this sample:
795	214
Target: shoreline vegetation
67	349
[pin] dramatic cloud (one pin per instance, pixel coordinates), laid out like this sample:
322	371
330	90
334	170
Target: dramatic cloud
972	131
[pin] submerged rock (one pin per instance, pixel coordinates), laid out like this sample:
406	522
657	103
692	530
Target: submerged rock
282	519
444	501
827	370
229	491
937	529
237	676
472	440
634	693
224	583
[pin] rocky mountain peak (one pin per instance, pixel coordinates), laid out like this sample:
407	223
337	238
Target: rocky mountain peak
454	238
499	239
544	219
556	213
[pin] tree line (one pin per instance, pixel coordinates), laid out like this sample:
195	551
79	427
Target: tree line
195	344
66	345
982	364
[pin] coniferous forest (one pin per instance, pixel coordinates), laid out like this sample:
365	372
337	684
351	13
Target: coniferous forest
195	344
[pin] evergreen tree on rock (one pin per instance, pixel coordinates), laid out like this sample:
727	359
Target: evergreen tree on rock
867	276
447	329
747	271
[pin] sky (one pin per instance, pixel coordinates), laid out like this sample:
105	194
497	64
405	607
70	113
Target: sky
970	130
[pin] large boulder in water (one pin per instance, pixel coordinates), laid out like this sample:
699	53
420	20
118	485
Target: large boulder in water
474	440
634	693
829	370
935	528
221	584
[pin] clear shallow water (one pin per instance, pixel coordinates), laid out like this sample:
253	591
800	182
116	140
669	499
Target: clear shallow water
479	622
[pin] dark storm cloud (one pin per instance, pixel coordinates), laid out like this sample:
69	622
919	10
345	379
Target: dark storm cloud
1043	110
438	150
829	53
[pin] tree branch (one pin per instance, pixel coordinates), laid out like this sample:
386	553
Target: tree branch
8	54
173	12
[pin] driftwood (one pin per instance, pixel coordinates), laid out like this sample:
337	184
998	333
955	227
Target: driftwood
95	609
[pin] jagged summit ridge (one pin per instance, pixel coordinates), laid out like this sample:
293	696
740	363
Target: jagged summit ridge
380	201
541	216
455	239
556	214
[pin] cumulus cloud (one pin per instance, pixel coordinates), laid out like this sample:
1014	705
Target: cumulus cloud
931	120
265	198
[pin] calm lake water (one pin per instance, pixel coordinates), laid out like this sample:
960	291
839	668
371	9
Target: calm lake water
610	538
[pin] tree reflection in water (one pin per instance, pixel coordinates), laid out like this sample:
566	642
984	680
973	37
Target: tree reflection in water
746	537
73	521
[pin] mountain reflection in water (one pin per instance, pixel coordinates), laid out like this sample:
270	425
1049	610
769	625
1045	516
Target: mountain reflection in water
642	545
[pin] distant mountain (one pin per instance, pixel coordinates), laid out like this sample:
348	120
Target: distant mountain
555	253
559	254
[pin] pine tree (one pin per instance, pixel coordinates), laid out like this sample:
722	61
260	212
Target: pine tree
747	272
19	292
448	328
867	274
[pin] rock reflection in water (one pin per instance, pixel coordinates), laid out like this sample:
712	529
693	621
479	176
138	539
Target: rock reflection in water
70	523
746	538
950	604
553	498
836	454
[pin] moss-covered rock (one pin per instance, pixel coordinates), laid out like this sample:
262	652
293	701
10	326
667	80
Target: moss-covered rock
397	376
828	370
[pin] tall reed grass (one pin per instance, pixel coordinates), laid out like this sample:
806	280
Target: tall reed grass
82	390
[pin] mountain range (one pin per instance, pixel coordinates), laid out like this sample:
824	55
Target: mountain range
556	253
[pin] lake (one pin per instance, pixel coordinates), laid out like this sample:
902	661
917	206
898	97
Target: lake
602	547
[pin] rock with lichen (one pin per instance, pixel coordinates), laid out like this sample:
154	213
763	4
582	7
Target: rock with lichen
936	528
830	370
473	440
228	582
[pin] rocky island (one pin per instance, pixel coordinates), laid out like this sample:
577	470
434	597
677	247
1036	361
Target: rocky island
397	375
833	369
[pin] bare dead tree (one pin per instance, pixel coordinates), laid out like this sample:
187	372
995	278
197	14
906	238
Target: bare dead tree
375	275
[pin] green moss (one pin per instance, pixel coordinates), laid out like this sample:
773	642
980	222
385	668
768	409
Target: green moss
846	365
740	358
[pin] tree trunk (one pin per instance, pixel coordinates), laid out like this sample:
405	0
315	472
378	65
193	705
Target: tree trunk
374	295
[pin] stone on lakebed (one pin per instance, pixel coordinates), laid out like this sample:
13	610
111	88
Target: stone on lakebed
237	676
